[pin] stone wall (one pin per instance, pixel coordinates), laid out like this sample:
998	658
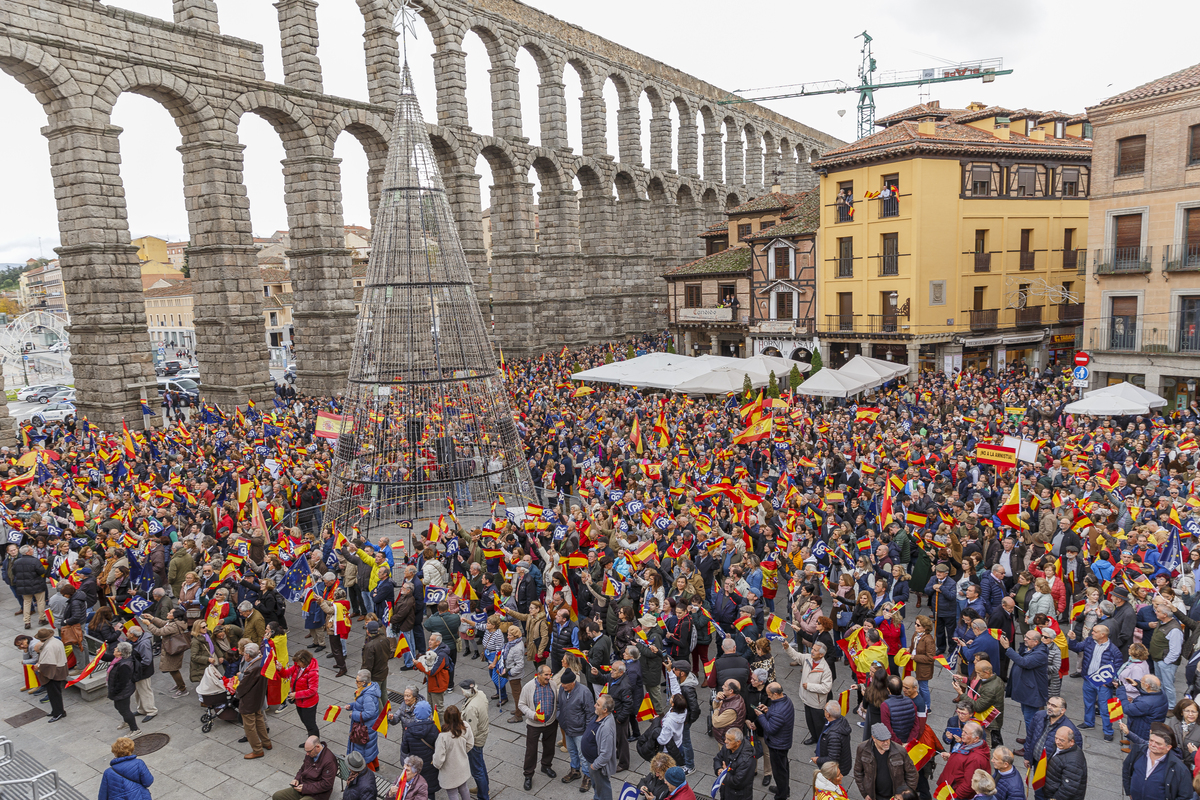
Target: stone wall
594	276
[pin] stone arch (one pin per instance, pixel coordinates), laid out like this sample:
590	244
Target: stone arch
691	222
558	217
190	109
628	128
687	138
503	85
500	51
770	159
752	138
294	126
711	151
38	71
591	105
659	126
732	200
734	173
549	112
373	133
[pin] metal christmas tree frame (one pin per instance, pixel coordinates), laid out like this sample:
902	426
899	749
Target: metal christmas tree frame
433	428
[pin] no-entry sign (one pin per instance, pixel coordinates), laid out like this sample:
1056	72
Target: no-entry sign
1082	359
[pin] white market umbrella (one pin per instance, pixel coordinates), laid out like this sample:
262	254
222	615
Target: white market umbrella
722	380
889	369
1128	391
1106	406
628	370
832	383
782	367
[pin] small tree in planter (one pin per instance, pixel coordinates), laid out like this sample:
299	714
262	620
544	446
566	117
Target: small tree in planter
747	387
794	379
817	363
772	385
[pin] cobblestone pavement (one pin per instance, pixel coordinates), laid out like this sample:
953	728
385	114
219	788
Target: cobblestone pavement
197	765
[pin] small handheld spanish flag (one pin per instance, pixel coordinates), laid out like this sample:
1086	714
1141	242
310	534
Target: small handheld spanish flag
31	678
1039	773
91	667
646	709
381	723
708	668
742	622
986	717
920	753
401	646
538	714
331	713
775	625
844	702
942	662
1115	712
944	792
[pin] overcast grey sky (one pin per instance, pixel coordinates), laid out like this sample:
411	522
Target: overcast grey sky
1066	55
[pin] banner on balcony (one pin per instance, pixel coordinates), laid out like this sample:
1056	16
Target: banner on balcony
1000	457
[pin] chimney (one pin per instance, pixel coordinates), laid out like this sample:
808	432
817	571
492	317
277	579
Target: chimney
776	188
926	127
1000	132
1038	134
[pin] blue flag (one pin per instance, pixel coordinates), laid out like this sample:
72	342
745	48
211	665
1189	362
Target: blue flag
1172	557
628	792
295	580
716	787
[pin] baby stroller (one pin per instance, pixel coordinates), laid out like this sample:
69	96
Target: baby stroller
221	705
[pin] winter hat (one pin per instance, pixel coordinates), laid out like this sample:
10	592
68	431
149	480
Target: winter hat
676	776
423	710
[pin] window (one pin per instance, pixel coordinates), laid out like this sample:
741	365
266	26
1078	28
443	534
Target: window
846	257
1123	323
784	309
1070	257
889	203
937	293
1070	181
887	303
266	290
172	320
727	294
978	298
845	201
783	260
1189	324
692	295
715	245
1060	129
983	259
981	180
1026	181
1191	242
890	264
1127	240
1131	155
1194	145
744	230
1027	248
273	319
770	223
845	320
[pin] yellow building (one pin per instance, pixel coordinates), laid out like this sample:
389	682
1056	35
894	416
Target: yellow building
1143	299
953	238
169	316
154	255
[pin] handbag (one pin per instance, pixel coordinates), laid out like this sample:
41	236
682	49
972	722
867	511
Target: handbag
71	634
359	734
176	643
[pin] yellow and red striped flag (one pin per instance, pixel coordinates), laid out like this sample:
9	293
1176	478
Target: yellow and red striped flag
31	677
646	709
332	712
91	667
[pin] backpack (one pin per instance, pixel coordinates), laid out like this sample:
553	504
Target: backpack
647	743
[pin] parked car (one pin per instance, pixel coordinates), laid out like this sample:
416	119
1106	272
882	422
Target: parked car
25	392
54	412
169	368
184	386
191	373
67	396
59	346
43	395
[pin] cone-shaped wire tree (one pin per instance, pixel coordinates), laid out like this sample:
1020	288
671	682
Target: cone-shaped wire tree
427	426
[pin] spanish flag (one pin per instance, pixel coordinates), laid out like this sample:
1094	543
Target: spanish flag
742	622
635	436
944	792
844	702
915	518
759	430
462	588
920	753
31	677
1115	712
708	668
331	713
91	667
775	625
869	414
127	440
380	725
646	709
1039	773
986	717
401	646
538	714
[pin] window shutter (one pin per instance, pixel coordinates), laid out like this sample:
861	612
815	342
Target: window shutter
1131	155
1192	225
1070	174
1194	145
981	172
1129	231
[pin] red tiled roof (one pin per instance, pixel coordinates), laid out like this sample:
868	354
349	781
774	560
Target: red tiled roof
275	275
715	231
180	289
920	111
965	115
803	218
951	138
735	260
1187	78
771	201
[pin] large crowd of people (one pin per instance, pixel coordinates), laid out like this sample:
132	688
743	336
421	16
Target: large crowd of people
642	600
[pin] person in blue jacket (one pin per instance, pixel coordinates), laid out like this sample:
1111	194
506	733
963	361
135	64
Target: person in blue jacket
1009	785
1028	682
127	776
1148	707
1101	661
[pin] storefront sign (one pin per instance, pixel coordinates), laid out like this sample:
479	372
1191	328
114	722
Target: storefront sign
705	315
1062	338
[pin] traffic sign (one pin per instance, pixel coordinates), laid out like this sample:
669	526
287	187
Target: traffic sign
1082	359
1082	373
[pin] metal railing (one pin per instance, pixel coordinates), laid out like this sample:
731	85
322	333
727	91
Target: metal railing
842	323
1070	312
844	214
1181	258
1122	260
40	786
845	267
889	264
1030	315
1027	259
987	319
1071	259
883	323
889	207
1145	339
983	262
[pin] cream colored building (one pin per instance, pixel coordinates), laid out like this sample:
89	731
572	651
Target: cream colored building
1142	313
169	315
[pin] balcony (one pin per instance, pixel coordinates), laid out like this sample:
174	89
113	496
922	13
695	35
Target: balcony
889	265
986	319
883	323
845	267
1122	261
889	207
1070	313
843	323
1029	316
1027	259
1145	339
845	213
983	261
1074	259
1181	258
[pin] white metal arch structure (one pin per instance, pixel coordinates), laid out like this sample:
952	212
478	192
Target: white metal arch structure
25	327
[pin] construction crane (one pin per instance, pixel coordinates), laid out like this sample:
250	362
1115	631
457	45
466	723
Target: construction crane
985	69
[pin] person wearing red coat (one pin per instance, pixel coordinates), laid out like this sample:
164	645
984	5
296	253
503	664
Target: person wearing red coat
676	780
305	675
970	754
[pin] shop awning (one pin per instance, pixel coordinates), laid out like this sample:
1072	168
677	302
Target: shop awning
986	341
1027	338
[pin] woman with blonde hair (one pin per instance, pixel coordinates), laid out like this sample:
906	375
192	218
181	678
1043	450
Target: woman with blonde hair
127	776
